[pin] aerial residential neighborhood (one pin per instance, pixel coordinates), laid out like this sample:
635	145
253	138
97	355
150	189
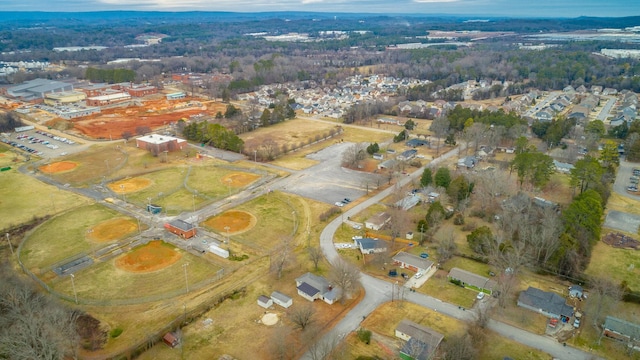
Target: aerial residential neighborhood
311	185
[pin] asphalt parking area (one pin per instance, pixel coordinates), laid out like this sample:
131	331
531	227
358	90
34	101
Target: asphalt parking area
328	181
622	221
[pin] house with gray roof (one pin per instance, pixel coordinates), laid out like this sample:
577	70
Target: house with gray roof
473	281
412	262
407	155
621	330
370	246
408	202
546	303
417	142
422	341
312	287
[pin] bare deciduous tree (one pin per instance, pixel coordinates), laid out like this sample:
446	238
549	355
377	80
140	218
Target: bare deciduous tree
354	155
603	297
281	256
315	254
440	127
446	246
346	277
302	317
281	346
459	347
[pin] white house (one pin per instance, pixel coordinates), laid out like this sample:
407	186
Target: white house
377	221
281	299
312	287
265	301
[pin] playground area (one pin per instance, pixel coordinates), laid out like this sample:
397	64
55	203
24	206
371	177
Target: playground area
234	221
58	167
150	257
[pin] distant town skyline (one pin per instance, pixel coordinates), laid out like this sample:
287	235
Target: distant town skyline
508	8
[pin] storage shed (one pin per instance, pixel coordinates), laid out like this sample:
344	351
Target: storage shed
265	301
281	299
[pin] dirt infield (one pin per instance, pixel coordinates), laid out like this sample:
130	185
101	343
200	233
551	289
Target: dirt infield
111	123
112	229
237	221
57	167
239	179
127	186
153	256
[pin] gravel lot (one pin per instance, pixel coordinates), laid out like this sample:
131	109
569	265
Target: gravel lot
328	181
622	221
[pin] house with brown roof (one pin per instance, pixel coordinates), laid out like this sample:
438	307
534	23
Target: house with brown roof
412	262
422	341
377	221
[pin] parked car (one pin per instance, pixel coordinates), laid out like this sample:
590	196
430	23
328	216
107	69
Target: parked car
346	200
339	204
632	188
419	274
576	323
480	296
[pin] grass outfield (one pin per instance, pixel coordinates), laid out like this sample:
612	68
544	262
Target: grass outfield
105	281
64	236
275	221
163	181
94	163
22	198
618	264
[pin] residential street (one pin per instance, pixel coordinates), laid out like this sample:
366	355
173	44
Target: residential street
379	291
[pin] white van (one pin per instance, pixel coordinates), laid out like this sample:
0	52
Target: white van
419	275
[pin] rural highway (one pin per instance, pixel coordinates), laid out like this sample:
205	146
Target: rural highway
379	291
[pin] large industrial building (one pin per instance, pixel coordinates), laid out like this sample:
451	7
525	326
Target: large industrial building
63	98
35	90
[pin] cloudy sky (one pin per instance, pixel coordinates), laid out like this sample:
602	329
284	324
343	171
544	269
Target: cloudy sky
535	8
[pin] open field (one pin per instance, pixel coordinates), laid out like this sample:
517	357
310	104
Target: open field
22	198
93	165
66	235
623	204
439	286
297	160
154	269
618	264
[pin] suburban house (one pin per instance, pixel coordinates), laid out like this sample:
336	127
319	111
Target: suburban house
378	156
408	202
416	142
387	164
412	262
546	303
622	330
562	167
265	301
473	281
160	143
281	299
312	287
467	162
377	221
181	228
370	246
407	155
422	341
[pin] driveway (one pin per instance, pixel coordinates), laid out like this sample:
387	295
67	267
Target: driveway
622	221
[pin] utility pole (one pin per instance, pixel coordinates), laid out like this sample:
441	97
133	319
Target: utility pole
10	246
73	285
186	279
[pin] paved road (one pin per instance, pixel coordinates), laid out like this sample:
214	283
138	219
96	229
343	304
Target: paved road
378	291
606	109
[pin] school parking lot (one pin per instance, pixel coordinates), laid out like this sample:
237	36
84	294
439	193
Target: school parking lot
41	143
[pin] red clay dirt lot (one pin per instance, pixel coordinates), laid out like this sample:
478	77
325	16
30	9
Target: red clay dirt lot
111	123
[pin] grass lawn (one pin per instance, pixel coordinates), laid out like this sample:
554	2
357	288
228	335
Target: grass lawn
164	181
22	198
522	318
623	204
64	236
105	281
498	347
618	264
439	286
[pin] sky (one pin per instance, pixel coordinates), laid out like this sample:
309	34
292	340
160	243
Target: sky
511	8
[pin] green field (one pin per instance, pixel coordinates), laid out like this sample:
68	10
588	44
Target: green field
94	164
22	198
617	264
64	236
105	281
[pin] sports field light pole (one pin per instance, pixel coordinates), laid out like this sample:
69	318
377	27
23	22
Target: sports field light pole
186	279
139	230
10	246
124	198
73	285
255	155
226	228
293	213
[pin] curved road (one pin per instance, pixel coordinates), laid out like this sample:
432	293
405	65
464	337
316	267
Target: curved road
378	291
